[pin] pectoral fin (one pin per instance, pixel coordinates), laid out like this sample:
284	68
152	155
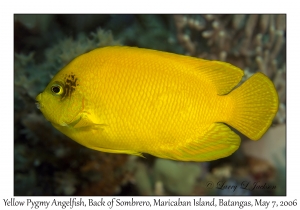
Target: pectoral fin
86	122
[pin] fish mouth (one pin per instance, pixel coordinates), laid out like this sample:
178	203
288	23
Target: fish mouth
38	103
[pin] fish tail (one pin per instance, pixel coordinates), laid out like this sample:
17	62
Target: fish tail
255	104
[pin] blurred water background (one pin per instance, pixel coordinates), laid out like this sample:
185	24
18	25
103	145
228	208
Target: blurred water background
48	163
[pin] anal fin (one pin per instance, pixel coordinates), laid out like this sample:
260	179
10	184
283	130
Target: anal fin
218	142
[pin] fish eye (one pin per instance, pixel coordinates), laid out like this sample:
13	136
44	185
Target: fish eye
57	89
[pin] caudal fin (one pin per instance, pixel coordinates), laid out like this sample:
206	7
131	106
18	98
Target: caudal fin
255	106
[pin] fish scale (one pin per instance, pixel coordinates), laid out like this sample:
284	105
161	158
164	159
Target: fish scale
133	101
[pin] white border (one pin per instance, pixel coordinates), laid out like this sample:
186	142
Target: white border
154	6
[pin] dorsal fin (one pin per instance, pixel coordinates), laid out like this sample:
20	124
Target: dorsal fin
223	75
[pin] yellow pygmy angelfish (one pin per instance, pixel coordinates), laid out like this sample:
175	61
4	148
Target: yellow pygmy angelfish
133	101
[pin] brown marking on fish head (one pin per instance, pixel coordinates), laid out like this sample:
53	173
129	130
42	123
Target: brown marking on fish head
71	82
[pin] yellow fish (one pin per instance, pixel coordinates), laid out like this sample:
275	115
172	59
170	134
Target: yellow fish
133	101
